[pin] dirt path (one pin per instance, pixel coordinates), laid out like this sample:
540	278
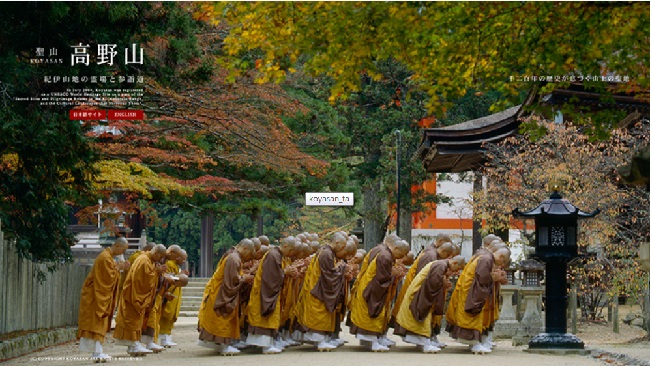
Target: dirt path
188	353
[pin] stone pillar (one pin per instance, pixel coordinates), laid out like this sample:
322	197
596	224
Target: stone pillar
532	322
616	327
507	324
573	305
206	251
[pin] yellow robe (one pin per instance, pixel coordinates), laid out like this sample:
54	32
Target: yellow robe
171	308
153	317
456	315
137	296
97	297
404	316
225	326
254	316
359	310
287	298
363	269
426	256
311	312
123	276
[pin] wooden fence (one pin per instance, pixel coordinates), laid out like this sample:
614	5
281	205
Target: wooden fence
26	304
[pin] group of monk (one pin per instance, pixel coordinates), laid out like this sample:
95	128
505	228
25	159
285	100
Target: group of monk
299	292
145	290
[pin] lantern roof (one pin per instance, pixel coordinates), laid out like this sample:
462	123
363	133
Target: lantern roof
530	264
557	206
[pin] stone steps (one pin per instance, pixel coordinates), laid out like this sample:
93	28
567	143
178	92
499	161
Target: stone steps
192	297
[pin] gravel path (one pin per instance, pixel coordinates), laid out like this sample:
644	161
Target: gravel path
188	353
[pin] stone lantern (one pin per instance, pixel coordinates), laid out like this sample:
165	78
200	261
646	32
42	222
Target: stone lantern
556	243
531	272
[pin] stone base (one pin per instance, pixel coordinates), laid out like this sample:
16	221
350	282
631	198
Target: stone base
559	352
28	343
506	328
518	340
556	341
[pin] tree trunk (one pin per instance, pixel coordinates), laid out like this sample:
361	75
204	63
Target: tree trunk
477	223
373	211
206	246
405	232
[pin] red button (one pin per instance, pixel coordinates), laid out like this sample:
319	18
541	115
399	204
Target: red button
87	114
125	114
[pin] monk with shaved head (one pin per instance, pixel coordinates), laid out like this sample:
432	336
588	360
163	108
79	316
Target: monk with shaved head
465	318
368	304
319	296
97	299
219	314
425	298
264	309
172	298
138	295
440	249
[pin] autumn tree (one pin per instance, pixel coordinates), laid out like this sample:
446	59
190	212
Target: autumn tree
202	140
519	173
451	47
359	134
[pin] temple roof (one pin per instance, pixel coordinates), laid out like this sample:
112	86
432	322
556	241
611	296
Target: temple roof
458	148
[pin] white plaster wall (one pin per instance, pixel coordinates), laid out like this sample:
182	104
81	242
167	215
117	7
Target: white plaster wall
462	199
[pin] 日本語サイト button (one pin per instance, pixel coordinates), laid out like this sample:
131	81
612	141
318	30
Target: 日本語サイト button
87	114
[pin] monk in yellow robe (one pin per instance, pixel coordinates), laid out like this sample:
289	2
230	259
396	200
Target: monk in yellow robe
219	314
97	296
346	255
290	291
249	267
149	336
369	302
491	309
172	300
297	277
318	299
432	252
123	274
464	316
137	296
264	309
424	298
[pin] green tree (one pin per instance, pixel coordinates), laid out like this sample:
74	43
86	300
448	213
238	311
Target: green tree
451	47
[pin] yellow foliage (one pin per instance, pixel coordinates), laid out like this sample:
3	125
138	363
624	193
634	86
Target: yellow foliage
134	177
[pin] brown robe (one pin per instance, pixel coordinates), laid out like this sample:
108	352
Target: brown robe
430	297
431	292
219	313
227	297
374	295
263	315
464	315
376	291
483	285
428	255
329	285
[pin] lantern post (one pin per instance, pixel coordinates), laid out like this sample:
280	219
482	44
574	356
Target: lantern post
556	243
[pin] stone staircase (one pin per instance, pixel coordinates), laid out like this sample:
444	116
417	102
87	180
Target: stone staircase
192	296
